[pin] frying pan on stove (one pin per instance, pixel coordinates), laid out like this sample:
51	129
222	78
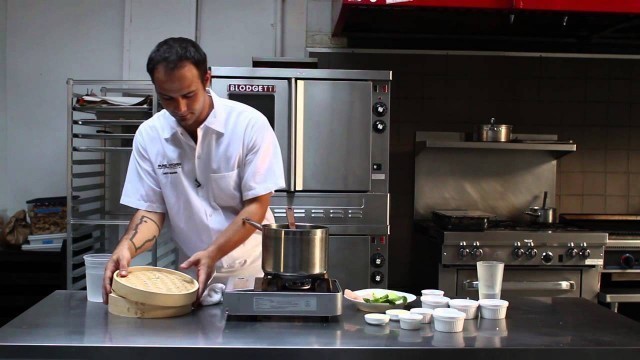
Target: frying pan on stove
462	220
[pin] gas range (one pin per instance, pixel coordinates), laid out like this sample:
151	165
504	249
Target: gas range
277	296
524	245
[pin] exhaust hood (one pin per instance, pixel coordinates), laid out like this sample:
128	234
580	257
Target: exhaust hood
607	26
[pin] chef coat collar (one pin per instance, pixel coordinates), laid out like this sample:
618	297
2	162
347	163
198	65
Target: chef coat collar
215	120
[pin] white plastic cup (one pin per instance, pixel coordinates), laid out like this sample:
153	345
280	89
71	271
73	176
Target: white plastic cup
94	266
490	279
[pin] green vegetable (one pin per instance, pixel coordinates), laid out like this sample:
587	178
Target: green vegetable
388	298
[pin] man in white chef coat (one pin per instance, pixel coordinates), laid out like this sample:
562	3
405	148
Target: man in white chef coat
203	163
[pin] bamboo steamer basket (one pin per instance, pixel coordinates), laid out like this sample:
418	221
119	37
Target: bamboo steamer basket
156	286
124	307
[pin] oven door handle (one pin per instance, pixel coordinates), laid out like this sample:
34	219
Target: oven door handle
527	285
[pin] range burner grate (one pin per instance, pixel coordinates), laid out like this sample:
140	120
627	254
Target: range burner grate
319	284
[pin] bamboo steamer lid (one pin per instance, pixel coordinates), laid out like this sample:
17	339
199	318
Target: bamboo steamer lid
124	307
156	286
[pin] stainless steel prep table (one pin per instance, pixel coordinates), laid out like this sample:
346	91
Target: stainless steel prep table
65	325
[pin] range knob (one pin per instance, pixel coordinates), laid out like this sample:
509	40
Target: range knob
547	257
377	260
585	253
379	109
518	252
531	253
627	261
476	253
377	277
572	252
463	253
379	126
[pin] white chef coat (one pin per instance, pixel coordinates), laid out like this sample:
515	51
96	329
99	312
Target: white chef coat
201	186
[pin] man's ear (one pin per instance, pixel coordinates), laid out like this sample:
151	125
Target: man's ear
207	79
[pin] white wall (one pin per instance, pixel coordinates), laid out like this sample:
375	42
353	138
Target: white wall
232	32
48	42
146	24
3	109
43	42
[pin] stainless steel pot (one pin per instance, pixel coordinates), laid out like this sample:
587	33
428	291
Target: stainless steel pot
298	252
493	132
545	215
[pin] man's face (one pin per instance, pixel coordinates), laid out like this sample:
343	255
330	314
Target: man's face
182	93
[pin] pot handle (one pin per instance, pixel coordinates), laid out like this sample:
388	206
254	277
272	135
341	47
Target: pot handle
252	223
532	213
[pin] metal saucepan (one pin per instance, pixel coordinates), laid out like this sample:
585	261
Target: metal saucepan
298	252
546	215
493	132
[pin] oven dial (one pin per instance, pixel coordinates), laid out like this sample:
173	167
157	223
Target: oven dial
463	253
585	253
377	260
572	252
377	277
531	253
476	253
547	257
379	126
518	253
379	109
627	261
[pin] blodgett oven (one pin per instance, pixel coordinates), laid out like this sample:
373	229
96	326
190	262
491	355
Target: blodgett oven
333	130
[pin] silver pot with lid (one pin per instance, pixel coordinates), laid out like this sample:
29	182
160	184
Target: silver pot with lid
493	132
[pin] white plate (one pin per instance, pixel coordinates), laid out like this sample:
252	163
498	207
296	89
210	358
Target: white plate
381	308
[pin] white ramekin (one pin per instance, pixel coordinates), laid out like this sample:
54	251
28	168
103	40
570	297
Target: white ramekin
468	307
493	308
448	320
410	321
426	314
433	292
395	313
376	319
434	301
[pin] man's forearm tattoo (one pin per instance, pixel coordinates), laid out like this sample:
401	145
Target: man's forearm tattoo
143	220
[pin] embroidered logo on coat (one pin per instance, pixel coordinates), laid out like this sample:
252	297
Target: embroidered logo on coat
169	168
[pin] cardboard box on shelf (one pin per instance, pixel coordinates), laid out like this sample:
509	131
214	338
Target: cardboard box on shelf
48	215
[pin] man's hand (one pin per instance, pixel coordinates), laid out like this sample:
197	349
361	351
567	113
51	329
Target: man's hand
205	268
120	260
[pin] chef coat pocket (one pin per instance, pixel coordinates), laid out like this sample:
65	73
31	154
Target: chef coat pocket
225	189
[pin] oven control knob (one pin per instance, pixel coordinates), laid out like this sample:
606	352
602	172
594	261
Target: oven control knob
476	253
379	109
377	277
585	253
627	261
463	253
377	260
572	252
547	257
518	253
531	253
379	126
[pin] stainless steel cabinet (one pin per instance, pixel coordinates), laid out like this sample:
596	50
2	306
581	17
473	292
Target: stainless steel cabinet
102	119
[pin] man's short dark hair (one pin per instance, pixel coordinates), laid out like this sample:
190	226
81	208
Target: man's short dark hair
173	51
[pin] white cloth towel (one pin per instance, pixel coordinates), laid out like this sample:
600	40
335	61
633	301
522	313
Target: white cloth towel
213	294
